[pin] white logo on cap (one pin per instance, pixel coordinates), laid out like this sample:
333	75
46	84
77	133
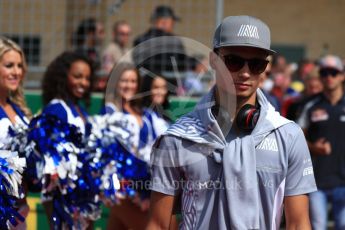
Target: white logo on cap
248	31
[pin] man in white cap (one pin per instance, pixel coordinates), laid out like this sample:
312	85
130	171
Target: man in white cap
323	120
234	160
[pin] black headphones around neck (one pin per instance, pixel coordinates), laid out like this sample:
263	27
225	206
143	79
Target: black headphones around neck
247	117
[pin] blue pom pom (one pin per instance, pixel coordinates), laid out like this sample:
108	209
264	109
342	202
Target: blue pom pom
61	148
9	166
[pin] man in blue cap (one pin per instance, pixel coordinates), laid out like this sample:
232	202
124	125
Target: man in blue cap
235	162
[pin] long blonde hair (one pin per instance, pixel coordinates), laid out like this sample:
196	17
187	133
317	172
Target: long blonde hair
16	96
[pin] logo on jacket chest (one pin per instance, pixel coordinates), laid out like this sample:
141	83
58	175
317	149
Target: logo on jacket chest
268	159
268	144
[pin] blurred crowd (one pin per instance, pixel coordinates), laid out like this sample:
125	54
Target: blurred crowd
163	58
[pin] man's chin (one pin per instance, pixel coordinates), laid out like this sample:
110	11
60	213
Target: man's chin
242	95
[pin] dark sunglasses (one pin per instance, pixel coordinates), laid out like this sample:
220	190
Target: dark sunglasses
234	63
328	72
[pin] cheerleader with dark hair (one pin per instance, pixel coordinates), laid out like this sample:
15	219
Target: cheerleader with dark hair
66	86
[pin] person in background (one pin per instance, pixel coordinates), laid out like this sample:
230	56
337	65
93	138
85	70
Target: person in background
88	40
265	86
282	89
163	21
157	100
313	86
279	63
305	67
323	120
118	47
13	108
170	50
65	85
127	99
296	89
193	84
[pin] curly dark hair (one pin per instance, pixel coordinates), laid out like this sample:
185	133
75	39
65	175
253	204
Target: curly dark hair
54	83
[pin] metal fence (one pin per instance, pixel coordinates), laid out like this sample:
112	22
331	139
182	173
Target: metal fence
45	29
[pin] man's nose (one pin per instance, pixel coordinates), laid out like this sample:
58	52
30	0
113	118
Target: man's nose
245	71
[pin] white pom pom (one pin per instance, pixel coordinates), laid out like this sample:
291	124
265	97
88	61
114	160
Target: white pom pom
17	164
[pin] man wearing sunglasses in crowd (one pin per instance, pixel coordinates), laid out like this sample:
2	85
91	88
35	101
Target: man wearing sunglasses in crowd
234	161
323	120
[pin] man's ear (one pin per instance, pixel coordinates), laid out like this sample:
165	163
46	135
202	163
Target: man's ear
213	59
